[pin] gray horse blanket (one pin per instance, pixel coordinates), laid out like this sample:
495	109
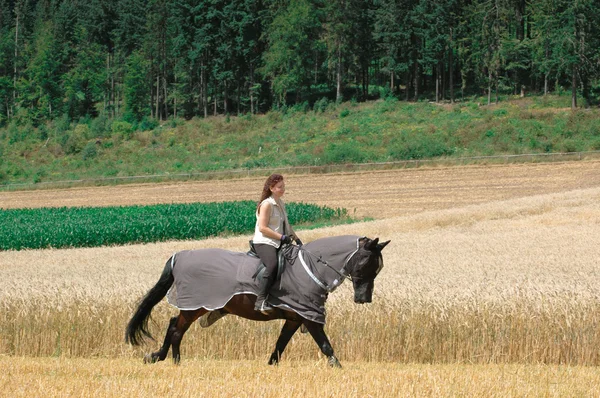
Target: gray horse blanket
209	278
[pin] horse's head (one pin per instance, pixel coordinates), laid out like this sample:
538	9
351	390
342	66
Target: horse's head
364	267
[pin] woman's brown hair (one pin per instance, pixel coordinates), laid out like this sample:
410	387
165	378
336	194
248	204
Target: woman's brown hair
273	180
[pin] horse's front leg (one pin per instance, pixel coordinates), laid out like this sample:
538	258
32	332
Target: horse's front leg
287	331
318	334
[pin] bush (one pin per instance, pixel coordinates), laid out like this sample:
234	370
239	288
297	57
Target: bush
15	134
62	124
82	131
419	146
89	151
148	123
177	121
344	152
299	108
100	126
122	130
321	105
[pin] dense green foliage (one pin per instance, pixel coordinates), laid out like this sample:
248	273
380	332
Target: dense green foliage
381	131
99	226
136	59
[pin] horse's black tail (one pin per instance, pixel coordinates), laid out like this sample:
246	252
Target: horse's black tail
137	327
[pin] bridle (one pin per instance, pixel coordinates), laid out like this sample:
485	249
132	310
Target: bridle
343	273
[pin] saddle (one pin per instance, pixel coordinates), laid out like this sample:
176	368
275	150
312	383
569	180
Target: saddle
260	270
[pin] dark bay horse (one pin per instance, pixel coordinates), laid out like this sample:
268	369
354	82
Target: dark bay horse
211	283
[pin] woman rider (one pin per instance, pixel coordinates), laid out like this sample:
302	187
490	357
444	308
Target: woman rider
272	230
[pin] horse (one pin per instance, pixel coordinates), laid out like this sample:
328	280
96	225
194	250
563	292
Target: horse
208	284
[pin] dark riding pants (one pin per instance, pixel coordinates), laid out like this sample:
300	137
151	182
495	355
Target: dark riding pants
268	255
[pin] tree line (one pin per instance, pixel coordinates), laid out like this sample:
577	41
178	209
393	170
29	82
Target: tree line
136	59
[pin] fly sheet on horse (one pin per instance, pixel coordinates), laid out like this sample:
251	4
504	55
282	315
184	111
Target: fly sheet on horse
209	278
215	283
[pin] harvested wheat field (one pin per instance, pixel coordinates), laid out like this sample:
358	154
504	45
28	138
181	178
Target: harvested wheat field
379	194
490	288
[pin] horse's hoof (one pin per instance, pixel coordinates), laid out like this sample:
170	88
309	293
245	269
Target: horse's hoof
149	358
334	363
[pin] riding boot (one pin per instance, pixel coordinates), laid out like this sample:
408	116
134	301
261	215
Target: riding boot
264	285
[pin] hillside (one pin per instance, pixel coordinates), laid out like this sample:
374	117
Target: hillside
350	132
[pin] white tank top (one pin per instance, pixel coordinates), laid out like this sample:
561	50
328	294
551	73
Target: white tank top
277	222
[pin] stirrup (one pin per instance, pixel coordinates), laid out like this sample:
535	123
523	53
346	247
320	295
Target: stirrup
264	308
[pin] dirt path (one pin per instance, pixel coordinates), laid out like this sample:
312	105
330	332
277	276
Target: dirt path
379	194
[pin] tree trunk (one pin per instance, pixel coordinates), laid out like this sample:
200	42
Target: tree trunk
451	68
316	68
215	104
365	81
113	95
496	90
438	73
338	93
15	60
204	88
407	89
443	81
251	89
152	111
489	100
547	73
586	91
158	115
117	107
416	73
166	98
416	81
238	94
175	100
574	88
106	97
225	100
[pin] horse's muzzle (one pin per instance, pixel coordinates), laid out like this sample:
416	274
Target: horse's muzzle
363	293
362	300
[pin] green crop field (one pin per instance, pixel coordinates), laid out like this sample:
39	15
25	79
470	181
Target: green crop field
100	226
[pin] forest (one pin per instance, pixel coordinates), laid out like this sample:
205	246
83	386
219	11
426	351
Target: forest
155	59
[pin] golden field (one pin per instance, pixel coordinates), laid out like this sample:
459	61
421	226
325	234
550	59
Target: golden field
116	378
490	288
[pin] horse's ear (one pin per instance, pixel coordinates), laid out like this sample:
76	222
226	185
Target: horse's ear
371	244
382	245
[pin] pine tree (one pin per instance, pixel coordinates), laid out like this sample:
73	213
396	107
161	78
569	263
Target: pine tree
291	40
136	87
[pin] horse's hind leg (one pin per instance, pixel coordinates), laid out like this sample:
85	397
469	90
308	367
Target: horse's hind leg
183	323
288	330
318	334
161	354
177	328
